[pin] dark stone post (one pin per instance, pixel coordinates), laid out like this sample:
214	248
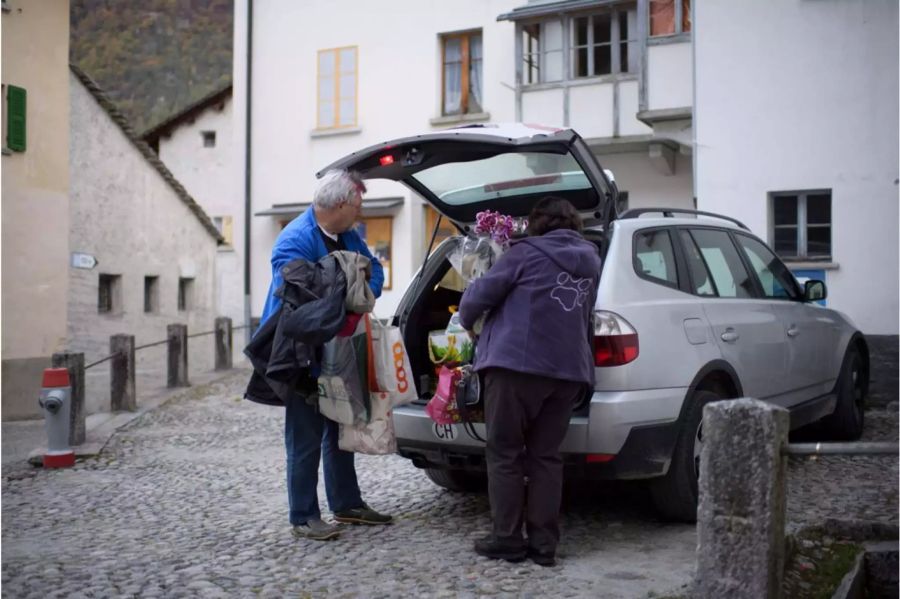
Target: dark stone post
178	355
223	343
122	393
74	362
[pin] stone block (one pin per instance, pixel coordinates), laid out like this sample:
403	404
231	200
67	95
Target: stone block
177	355
741	511
122	393
224	343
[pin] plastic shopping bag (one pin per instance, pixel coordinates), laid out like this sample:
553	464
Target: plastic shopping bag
393	371
342	384
474	256
376	437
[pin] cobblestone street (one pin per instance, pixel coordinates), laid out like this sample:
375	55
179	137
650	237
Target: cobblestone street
189	501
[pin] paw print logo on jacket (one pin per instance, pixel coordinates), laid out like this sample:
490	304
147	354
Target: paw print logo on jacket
570	292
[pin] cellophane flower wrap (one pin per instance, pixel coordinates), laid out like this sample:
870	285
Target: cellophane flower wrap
475	255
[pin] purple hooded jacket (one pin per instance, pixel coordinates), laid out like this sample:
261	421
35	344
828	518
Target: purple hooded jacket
540	296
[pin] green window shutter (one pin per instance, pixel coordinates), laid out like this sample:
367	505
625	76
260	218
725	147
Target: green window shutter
15	118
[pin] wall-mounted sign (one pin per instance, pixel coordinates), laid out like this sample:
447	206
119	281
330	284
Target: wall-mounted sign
85	261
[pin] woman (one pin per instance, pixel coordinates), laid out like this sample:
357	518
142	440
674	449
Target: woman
536	360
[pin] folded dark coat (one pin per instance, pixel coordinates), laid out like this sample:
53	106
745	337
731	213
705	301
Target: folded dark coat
285	350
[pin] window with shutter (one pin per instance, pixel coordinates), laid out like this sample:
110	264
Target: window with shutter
15	118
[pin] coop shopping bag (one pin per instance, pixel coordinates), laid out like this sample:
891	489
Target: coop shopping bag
393	373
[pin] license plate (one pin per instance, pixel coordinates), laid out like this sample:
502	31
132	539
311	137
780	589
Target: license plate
444	432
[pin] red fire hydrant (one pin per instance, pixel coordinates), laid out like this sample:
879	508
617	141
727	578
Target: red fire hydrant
56	401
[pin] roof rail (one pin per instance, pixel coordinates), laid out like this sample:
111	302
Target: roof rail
668	212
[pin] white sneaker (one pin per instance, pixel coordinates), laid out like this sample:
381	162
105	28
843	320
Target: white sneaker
317	530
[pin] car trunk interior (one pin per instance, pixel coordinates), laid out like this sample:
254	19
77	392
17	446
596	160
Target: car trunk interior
440	288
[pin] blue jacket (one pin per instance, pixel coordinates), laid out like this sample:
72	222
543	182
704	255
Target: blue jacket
302	239
540	295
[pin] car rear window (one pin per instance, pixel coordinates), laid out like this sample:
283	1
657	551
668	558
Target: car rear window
503	175
655	257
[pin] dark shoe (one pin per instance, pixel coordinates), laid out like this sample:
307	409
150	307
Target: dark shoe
316	530
362	515
494	548
542	558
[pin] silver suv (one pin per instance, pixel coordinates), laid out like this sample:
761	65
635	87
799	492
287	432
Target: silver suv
692	308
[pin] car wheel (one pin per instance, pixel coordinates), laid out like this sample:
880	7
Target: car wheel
456	480
675	494
846	422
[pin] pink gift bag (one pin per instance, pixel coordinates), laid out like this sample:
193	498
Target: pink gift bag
442	407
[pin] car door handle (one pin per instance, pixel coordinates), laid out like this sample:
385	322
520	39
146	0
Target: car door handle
793	331
730	336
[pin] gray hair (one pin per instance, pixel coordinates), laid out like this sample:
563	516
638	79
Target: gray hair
335	187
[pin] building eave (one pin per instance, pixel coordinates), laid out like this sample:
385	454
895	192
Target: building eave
535	10
187	114
295	209
652	117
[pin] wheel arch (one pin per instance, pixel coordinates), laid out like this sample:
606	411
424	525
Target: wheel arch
717	376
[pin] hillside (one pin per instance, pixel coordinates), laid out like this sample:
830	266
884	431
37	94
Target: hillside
153	57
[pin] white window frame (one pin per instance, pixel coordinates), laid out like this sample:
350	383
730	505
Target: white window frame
569	49
542	53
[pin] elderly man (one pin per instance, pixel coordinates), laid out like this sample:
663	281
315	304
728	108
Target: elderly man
308	435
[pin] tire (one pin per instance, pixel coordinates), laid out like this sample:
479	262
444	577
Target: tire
675	494
459	481
846	422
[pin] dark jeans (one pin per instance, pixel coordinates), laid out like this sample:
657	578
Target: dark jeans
527	418
308	436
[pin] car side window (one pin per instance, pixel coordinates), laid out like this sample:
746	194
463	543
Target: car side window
724	263
777	281
702	282
655	257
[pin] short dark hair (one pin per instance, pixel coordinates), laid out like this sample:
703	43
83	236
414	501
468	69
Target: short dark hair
553	213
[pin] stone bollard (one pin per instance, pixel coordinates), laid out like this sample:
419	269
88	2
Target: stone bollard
224	343
122	395
74	362
177	355
741	511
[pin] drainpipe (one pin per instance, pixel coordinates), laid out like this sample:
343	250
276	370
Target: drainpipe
694	146
247	155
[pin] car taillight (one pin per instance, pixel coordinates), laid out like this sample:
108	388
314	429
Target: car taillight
615	341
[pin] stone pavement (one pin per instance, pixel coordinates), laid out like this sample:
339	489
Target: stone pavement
189	501
22	439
